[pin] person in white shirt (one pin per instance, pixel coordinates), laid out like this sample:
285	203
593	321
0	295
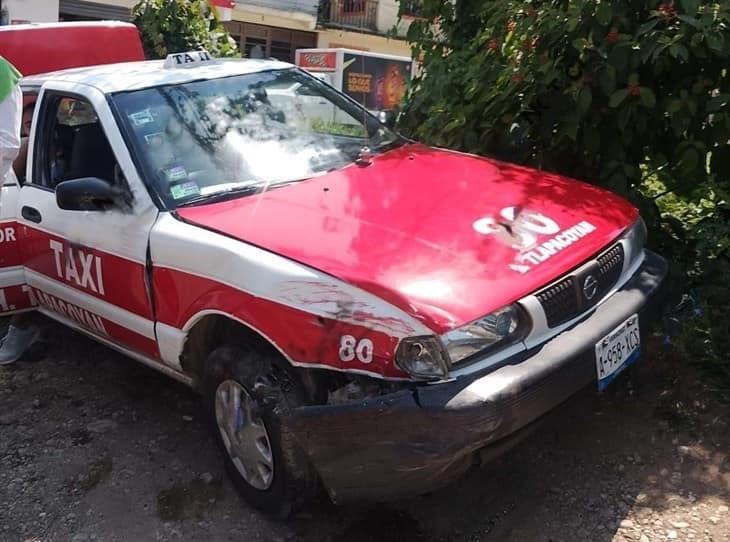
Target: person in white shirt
22	332
11	105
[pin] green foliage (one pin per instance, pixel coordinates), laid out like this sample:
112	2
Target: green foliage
593	89
696	237
174	26
629	94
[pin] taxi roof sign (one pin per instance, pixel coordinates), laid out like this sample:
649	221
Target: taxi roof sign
187	60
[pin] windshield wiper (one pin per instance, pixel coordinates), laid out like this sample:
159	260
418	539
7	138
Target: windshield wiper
236	192
223	194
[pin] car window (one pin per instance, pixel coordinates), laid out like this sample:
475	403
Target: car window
73	144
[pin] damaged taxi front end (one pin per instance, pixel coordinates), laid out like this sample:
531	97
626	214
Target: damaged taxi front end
420	437
423	437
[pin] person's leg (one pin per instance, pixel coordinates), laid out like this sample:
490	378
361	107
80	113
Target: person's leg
22	332
22	320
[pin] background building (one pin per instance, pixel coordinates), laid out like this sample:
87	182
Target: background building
370	25
81	10
45	11
267	28
277	28
274	28
27	11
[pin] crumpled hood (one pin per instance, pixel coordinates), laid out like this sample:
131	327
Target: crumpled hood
445	236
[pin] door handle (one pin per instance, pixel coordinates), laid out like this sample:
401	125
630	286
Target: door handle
31	213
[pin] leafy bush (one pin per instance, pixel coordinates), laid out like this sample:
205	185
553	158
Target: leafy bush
629	94
174	26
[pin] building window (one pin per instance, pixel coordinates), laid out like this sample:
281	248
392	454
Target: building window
352	7
259	41
411	8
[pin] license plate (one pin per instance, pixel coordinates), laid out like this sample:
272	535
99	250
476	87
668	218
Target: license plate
617	350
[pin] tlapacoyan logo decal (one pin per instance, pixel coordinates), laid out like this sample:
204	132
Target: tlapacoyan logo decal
522	230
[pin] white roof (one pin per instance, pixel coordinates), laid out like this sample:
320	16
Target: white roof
110	78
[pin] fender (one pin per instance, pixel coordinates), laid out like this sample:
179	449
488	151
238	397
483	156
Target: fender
306	314
172	344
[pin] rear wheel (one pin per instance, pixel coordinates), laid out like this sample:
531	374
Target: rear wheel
247	396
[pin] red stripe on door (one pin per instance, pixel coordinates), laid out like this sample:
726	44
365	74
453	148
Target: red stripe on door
303	337
14	298
9	246
114	279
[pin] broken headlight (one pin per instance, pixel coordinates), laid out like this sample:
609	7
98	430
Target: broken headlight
422	357
496	329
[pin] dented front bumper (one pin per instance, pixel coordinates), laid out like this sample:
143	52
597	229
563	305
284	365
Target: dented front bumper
414	441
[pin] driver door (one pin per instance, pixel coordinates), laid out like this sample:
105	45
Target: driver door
87	268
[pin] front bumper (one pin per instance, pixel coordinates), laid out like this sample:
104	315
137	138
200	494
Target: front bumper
414	441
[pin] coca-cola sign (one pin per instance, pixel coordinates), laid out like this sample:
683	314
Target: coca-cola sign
319	60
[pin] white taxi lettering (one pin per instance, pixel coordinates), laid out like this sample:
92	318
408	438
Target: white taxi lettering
82	316
7	234
559	242
520	230
351	348
517	229
70	261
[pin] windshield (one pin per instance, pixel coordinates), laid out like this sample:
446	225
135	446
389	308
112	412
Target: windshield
216	138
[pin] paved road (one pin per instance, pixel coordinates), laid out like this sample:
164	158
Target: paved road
96	447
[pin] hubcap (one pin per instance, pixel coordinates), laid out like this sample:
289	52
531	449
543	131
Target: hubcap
244	434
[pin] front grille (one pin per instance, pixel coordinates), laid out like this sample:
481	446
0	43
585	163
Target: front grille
559	301
564	300
610	265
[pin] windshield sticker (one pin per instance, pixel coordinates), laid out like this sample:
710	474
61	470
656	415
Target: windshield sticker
179	191
156	139
175	174
522	229
141	117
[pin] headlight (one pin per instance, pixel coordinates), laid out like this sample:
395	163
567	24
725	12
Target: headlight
500	327
422	357
636	236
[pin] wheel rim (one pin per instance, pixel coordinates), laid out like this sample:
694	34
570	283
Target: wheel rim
244	434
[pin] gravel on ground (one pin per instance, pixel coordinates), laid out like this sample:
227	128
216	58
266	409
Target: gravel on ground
95	447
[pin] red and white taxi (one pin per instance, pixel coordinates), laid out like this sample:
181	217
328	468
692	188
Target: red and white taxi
359	311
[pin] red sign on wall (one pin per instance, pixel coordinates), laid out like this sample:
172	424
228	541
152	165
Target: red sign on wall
320	61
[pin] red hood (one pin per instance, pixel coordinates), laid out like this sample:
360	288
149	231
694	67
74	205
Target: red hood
403	228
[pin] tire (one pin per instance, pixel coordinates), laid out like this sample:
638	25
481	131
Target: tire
282	481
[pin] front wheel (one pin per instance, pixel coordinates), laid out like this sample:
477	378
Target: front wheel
246	395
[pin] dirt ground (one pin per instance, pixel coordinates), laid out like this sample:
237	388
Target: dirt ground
96	447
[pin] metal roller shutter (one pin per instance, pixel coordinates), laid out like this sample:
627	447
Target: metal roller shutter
92	10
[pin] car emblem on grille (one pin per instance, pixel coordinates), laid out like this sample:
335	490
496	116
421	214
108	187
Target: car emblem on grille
590	287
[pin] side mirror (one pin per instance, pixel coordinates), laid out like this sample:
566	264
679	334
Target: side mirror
86	194
388	118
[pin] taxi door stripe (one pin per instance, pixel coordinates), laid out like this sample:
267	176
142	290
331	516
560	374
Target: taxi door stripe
38	259
113	313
